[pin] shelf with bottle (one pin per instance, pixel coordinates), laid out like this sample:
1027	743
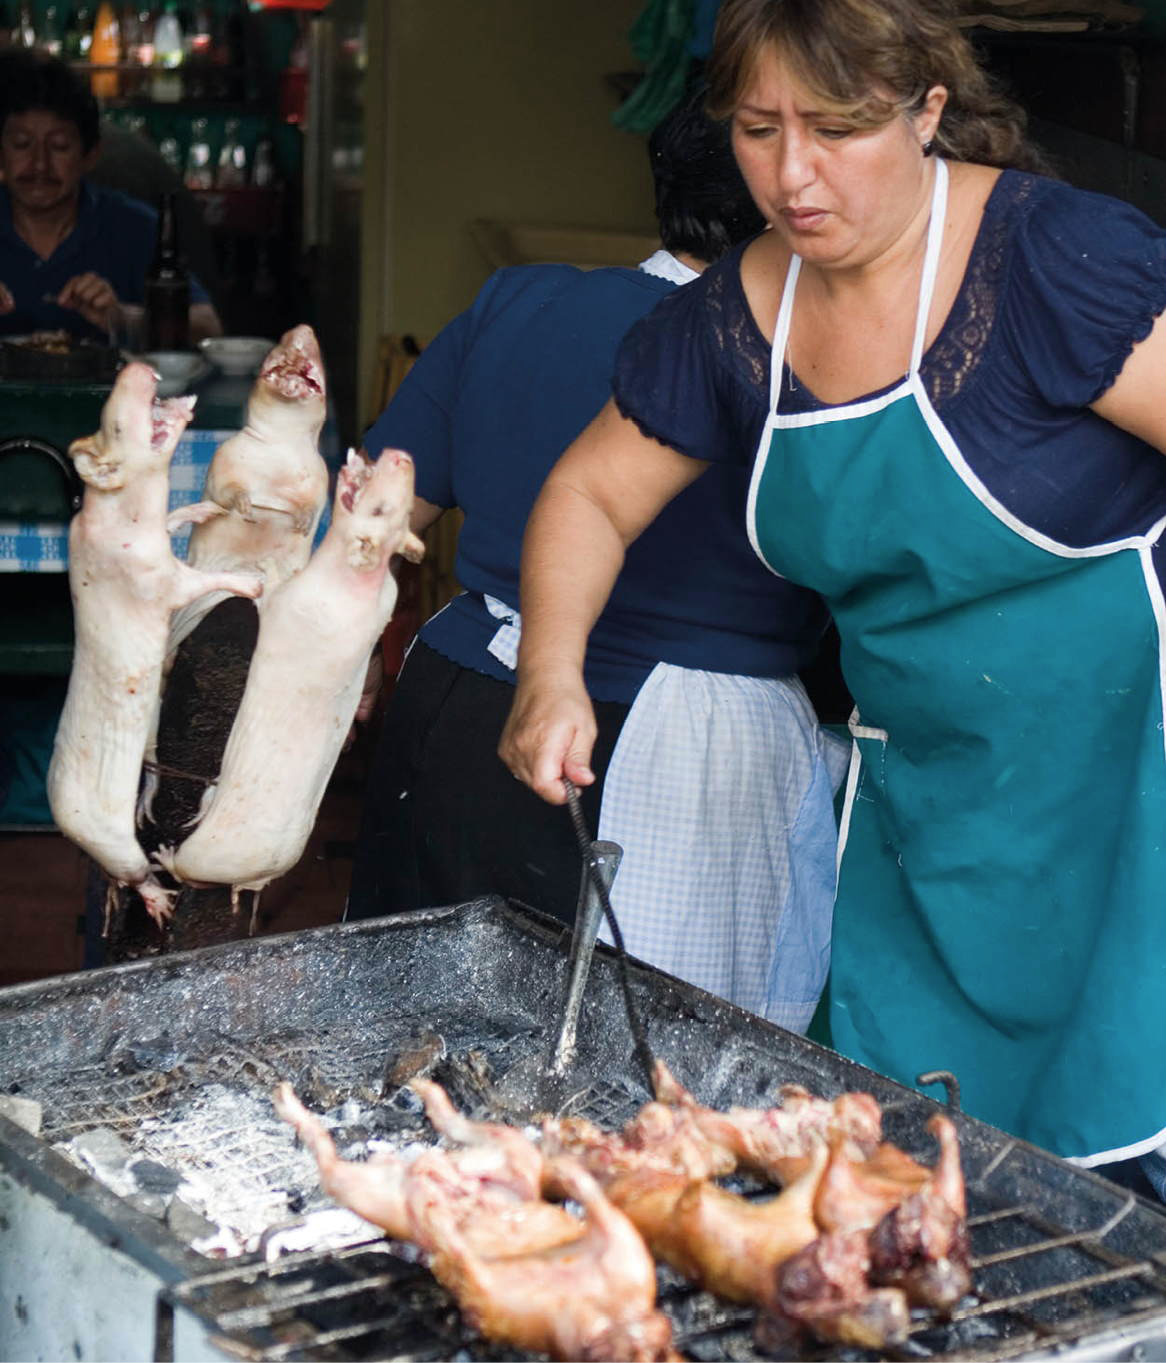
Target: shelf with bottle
231	162
166	52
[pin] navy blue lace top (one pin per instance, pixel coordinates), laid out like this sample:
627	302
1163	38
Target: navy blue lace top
1060	285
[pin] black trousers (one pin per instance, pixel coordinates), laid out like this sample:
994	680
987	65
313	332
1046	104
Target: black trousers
444	821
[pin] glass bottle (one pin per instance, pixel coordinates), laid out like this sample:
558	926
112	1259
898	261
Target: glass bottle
294	78
232	168
263	165
167	290
24	34
105	51
166	87
197	40
50	34
171	153
130	34
199	172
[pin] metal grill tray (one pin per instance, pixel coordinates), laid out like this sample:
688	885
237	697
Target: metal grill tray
178	1054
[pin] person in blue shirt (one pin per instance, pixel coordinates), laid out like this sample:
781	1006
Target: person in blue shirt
716	778
71	254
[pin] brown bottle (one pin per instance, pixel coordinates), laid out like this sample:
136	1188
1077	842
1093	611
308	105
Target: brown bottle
167	291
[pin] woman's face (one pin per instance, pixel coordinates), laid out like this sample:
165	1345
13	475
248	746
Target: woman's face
42	160
838	195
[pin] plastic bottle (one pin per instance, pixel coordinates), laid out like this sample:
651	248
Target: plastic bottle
167	290
166	87
79	33
105	50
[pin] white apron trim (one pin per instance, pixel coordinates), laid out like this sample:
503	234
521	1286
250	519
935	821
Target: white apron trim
1143	1147
963	471
1155	593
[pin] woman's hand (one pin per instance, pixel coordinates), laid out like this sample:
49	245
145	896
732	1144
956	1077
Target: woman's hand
93	297
7	302
549	734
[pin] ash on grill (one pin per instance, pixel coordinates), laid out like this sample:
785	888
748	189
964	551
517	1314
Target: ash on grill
192	1139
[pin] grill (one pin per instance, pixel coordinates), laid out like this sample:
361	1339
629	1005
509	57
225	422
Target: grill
176	1056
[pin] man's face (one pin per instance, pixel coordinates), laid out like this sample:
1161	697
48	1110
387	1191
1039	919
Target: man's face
42	160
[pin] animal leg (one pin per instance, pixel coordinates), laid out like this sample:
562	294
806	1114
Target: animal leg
194	513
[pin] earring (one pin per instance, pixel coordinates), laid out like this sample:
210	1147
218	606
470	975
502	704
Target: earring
927	148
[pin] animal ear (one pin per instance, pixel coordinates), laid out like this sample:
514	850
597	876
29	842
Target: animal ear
105	474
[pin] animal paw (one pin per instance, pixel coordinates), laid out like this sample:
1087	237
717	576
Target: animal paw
159	901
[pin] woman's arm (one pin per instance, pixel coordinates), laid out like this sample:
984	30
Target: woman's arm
1136	399
606	488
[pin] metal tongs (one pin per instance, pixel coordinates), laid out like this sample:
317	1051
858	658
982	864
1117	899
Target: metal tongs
601	862
594	880
536	1084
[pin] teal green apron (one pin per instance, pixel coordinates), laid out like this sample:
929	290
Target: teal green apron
1000	908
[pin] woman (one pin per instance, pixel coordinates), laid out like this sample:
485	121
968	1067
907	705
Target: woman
951	372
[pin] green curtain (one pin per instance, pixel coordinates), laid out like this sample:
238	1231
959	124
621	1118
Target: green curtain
660	39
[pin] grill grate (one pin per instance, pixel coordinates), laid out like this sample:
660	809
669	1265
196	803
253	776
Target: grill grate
1060	1255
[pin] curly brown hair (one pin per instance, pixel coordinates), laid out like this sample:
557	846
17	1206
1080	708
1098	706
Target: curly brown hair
850	51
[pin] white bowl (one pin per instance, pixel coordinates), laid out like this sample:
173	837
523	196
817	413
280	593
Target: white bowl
176	370
236	355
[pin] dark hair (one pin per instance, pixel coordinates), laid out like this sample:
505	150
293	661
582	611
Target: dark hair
33	80
702	204
845	50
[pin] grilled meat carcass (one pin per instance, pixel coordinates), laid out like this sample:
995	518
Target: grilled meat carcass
716	1238
316	632
486	1188
824	1290
779	1142
661	1137
125	583
857	1194
922	1244
526	1271
593	1298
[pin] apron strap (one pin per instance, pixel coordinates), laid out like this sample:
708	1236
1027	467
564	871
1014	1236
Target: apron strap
782	331
931	261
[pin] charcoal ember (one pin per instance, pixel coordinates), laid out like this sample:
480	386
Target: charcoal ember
317	1090
152	1204
187	1223
415	1060
152	1177
469	1079
24	1112
133	1055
